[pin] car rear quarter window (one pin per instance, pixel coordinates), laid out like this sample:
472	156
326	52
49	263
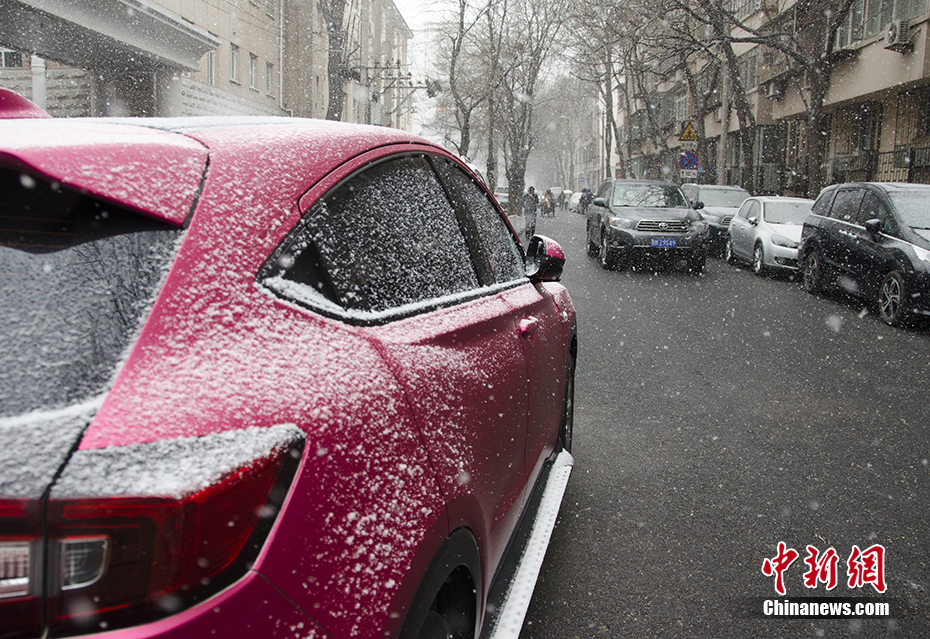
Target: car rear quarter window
494	249
385	238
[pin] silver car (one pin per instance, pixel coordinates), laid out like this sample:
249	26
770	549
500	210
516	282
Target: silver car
766	232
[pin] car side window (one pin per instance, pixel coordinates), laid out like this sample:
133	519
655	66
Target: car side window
385	238
846	205
755	209
744	210
872	208
604	191
493	246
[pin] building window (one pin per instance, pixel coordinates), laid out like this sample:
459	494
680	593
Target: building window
269	74
233	63
211	68
253	70
748	67
681	106
11	59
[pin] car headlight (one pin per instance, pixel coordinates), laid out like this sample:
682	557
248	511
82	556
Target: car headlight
781	240
922	253
698	225
621	223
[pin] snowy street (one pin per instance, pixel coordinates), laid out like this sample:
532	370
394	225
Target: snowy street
715	417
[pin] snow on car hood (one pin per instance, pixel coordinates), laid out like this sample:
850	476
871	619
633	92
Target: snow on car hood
791	231
719	211
35	445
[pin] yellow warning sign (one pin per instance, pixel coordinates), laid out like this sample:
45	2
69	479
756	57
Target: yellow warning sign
689	134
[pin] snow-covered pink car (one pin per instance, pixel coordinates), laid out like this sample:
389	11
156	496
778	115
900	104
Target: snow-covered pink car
268	378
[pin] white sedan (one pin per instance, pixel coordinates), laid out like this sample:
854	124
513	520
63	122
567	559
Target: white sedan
766	232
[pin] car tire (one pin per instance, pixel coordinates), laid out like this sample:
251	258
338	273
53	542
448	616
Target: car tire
812	272
758	260
728	251
891	298
447	600
604	253
592	247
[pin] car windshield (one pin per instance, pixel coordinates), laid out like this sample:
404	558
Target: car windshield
722	197
649	195
787	212
912	207
78	276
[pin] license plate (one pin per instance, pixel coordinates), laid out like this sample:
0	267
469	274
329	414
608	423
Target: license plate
663	242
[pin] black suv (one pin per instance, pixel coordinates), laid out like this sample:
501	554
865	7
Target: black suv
635	219
871	240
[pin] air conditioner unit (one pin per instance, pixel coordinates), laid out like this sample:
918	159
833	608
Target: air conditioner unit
896	36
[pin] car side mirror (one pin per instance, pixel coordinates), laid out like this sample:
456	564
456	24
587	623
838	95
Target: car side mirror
874	226
544	259
698	205
754	220
599	201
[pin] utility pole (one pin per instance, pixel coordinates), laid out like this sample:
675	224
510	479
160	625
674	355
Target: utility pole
724	124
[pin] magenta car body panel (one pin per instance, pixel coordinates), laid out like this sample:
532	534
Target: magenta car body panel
404	429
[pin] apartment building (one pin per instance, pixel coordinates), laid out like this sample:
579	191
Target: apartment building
875	115
198	57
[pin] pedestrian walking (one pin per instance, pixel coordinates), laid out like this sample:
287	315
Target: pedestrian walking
530	206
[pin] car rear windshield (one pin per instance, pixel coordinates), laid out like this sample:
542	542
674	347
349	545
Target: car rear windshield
912	207
649	195
78	276
787	212
723	197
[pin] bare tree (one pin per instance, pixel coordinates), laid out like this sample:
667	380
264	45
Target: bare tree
338	67
529	41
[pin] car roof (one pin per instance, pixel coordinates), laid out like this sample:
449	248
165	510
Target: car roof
643	182
720	187
158	166
778	198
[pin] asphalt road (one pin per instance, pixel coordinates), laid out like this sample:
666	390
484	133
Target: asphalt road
716	416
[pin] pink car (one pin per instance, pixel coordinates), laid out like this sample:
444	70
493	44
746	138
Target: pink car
268	378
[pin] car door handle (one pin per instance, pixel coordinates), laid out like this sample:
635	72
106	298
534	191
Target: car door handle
528	326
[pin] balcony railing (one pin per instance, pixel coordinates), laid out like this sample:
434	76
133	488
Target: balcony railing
905	164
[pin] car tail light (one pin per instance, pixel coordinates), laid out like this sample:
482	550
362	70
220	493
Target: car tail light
20	567
117	560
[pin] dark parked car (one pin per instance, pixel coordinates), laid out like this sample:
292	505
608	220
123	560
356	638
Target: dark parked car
266	377
717	204
634	220
871	240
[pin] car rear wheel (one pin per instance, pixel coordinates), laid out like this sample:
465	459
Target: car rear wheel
758	260
447	601
891	298
811	273
592	247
